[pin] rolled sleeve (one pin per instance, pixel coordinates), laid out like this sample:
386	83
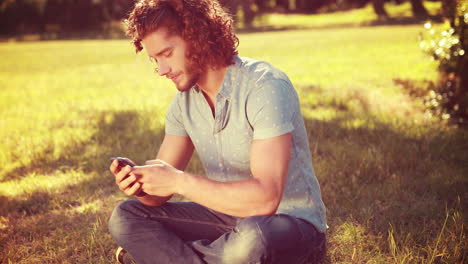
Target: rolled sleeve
271	109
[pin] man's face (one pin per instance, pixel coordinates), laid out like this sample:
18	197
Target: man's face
169	52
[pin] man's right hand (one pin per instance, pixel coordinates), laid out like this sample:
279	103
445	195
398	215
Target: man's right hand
126	180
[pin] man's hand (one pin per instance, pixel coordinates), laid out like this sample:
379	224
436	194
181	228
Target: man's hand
126	180
159	179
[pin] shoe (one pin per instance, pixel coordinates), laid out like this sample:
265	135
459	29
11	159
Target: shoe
123	257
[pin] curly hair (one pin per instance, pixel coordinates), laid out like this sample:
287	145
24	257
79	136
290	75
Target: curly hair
203	24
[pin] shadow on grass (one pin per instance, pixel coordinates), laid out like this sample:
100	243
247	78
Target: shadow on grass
66	236
121	133
378	176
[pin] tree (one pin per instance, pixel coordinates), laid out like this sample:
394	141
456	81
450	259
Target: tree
450	49
283	4
418	9
19	16
310	6
379	9
248	12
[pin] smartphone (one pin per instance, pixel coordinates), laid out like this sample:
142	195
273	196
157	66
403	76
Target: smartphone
124	162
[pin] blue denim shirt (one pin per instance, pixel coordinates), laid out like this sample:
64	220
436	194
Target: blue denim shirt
255	101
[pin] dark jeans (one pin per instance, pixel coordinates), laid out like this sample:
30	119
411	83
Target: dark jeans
187	232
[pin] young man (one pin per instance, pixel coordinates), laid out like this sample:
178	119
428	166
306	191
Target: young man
260	201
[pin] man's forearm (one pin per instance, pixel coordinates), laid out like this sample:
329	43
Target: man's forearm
259	195
238	198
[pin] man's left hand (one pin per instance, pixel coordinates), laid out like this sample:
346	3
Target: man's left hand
158	179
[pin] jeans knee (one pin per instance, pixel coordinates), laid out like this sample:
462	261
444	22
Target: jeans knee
118	222
270	228
263	239
246	245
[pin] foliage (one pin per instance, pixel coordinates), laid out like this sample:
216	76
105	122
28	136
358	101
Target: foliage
61	19
449	48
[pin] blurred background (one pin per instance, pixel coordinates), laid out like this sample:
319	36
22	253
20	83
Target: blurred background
383	91
31	20
52	19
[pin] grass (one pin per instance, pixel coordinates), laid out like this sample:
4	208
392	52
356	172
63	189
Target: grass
394	180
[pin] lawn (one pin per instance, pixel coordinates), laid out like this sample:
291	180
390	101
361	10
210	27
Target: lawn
393	179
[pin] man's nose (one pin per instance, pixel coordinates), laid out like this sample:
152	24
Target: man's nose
163	69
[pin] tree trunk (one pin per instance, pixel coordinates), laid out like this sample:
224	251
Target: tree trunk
284	4
231	7
449	11
249	14
309	6
261	5
379	9
418	9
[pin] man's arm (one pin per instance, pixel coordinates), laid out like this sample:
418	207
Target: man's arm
176	150
269	161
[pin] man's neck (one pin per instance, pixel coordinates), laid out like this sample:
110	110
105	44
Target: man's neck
210	82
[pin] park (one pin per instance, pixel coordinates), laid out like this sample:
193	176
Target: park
393	174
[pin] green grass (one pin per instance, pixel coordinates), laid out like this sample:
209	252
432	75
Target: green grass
393	179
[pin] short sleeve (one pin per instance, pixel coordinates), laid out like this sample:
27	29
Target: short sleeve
174	121
271	109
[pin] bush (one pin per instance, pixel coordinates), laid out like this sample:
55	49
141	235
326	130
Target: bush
449	99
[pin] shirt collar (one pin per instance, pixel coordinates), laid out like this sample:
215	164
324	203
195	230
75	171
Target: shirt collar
229	77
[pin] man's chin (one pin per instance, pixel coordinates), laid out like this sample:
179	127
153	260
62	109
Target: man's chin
186	86
183	89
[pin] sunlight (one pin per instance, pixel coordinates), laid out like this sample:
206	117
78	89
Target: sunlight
3	223
319	113
34	182
91	207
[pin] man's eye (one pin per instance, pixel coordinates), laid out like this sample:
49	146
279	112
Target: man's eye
168	54
153	60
